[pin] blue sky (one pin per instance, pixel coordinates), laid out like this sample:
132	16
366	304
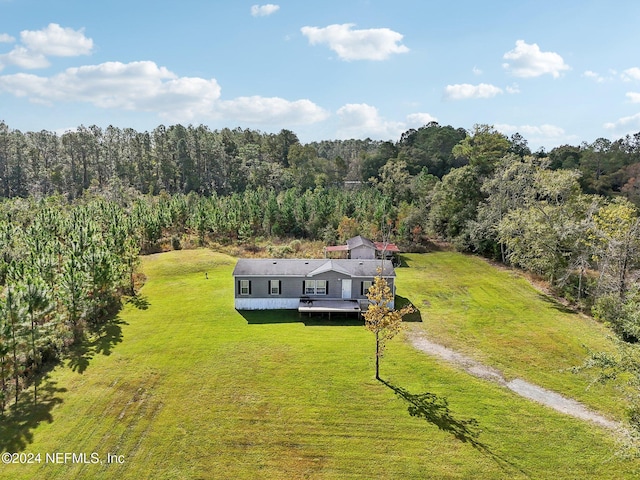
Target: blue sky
559	72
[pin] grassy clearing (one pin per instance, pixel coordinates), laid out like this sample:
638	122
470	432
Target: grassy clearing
185	387
496	316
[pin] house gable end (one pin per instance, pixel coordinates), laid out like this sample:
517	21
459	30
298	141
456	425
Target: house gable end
329	266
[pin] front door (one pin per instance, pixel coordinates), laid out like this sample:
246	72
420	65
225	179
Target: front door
346	288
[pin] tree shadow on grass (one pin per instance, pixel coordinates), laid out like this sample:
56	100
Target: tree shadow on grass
19	421
435	410
139	301
99	340
555	304
416	316
401	262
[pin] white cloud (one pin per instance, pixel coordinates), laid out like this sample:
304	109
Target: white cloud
420	119
6	38
52	41
360	120
144	86
593	75
528	61
513	89
465	91
538	131
272	110
631	74
546	135
350	44
139	86
56	41
634	97
264	10
626	124
23	58
476	71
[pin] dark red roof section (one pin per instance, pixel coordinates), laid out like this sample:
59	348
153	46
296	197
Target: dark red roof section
391	247
337	248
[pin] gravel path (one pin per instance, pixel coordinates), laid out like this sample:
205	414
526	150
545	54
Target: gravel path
522	388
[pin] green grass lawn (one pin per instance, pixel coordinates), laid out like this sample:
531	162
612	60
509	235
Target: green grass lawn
182	386
495	316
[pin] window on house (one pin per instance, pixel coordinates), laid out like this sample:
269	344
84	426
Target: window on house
315	287
274	287
310	287
366	285
245	287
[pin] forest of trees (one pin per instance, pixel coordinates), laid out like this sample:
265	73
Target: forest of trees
180	159
79	208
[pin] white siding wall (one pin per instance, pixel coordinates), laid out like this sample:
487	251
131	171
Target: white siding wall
267	303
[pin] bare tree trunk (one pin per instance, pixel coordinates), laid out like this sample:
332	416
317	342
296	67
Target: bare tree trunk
3	386
14	345
35	361
377	357
580	283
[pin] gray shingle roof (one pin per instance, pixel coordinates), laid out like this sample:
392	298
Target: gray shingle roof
295	267
358	241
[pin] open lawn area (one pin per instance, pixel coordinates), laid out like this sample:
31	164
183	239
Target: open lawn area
182	386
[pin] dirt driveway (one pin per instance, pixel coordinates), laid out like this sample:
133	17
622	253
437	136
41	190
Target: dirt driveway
525	389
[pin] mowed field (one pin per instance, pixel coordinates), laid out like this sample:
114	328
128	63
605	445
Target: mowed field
182	386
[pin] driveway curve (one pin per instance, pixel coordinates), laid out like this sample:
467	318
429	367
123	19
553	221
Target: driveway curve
523	388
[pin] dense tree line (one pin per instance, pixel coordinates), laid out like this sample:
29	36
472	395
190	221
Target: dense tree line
173	159
62	269
178	159
330	215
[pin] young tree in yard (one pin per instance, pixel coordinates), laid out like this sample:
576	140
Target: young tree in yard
384	321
